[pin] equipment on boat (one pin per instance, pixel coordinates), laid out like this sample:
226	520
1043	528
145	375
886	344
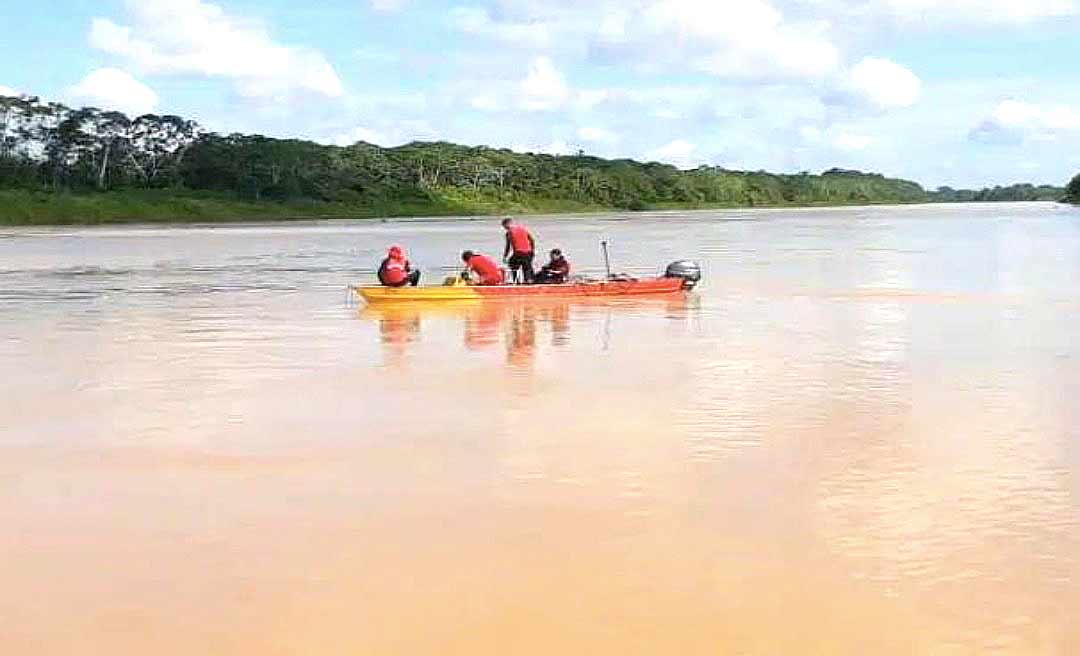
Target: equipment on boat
687	270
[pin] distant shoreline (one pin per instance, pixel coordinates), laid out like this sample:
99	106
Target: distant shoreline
21	208
66	166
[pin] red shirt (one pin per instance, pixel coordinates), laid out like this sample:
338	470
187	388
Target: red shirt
394	270
487	269
520	239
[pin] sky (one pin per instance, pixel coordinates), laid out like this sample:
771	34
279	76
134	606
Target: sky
966	93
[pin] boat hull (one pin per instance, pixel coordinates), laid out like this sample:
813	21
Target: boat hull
609	288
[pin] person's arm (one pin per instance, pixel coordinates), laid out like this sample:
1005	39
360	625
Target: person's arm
507	249
532	242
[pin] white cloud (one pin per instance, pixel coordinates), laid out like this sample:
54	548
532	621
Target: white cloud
742	40
851	142
544	87
479	22
679	152
811	133
387	6
383	131
1014	113
554	148
589	98
613	27
192	37
111	88
487	103
8	91
366	135
836	137
750	39
597	135
930	12
885	84
1017	121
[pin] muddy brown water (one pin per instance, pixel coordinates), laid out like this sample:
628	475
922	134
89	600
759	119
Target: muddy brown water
860	436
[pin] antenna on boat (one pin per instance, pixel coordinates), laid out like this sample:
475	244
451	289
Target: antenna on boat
607	260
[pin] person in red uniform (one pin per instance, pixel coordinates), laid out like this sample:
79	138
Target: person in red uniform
520	249
486	269
556	271
395	270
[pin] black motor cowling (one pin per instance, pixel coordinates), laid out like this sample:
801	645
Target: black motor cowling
688	270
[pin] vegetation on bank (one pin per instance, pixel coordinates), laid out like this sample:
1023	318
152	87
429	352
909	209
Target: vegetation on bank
1072	191
23	207
62	165
1012	193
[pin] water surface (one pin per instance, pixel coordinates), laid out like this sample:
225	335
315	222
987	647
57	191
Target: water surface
860	436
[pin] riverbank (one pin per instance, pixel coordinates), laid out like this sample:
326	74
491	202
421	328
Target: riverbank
25	208
19	207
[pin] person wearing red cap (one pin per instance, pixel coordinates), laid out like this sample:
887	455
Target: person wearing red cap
486	269
395	270
520	249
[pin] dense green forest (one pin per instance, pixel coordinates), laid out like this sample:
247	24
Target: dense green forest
1016	192
59	164
1072	191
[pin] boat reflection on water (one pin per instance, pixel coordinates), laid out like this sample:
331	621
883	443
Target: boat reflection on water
523	328
396	332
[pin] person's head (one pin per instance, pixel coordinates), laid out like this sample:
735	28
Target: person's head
556	254
467	255
396	253
507	222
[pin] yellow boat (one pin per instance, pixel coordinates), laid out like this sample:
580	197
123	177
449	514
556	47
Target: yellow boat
376	294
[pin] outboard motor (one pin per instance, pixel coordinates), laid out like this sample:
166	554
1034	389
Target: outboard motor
688	270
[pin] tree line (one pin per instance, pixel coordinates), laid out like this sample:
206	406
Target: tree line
50	147
1016	192
1072	191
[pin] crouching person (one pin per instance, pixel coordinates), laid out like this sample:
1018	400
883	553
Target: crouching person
395	270
555	272
482	269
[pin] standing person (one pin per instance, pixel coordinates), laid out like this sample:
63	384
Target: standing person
485	268
395	270
520	249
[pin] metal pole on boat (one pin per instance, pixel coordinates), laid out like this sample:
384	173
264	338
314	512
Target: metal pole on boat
607	261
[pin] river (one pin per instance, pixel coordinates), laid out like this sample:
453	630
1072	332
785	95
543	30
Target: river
861	435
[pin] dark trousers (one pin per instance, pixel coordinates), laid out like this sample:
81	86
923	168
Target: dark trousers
523	261
412	279
548	277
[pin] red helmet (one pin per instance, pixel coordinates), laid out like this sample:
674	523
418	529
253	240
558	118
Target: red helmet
396	253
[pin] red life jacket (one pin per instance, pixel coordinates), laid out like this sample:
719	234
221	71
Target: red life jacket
487	269
393	271
519	238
